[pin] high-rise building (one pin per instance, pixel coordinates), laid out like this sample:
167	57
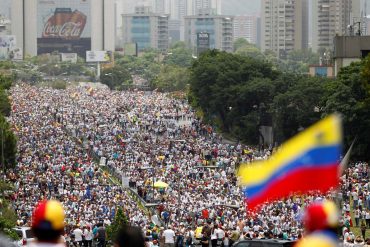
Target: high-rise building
194	6
245	26
334	17
146	29
219	29
160	6
284	25
66	26
130	5
179	12
207	4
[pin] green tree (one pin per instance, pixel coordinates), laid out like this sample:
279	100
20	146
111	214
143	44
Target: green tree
120	220
7	215
116	77
5	84
240	42
8	145
350	96
306	56
179	55
230	88
298	107
5	81
244	48
172	78
6	65
251	51
5	106
147	65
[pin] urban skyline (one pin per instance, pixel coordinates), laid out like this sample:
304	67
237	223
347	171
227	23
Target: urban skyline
304	25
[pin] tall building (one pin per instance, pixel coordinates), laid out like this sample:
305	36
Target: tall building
218	27
284	25
160	6
331	18
146	29
195	5
128	6
246	26
68	26
180	9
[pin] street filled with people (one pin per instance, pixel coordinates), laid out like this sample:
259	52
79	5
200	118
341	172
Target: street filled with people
91	148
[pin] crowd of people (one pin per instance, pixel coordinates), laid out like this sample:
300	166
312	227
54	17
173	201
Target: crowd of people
71	142
51	164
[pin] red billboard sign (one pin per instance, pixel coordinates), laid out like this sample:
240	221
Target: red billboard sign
64	24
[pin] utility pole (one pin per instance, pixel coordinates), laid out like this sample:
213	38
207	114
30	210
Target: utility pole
2	148
153	177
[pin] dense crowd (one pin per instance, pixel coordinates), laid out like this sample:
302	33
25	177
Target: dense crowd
150	137
51	164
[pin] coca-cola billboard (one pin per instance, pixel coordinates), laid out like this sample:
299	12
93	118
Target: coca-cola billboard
64	26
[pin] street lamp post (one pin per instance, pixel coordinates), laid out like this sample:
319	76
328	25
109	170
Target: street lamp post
153	177
2	148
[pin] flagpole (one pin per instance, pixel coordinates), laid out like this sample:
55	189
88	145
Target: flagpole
344	163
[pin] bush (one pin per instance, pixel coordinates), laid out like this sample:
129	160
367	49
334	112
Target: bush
119	220
59	84
8	217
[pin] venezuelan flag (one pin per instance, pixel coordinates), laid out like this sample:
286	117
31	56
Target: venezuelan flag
309	161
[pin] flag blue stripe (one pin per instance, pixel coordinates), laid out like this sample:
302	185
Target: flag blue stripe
314	158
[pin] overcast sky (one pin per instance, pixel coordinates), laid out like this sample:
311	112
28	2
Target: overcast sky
240	7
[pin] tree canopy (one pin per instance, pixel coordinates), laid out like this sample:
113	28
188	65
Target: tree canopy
116	77
239	93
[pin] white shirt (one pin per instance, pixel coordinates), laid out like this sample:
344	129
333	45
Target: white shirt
78	234
88	234
220	233
169	236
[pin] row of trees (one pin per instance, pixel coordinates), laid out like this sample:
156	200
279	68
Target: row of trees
8	150
169	72
296	61
8	143
166	72
240	93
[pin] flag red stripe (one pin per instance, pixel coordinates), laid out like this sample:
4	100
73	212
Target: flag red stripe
300	181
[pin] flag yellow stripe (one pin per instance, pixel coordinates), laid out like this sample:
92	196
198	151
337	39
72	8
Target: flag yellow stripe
327	132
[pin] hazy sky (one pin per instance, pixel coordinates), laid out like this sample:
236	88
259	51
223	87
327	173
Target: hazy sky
240	7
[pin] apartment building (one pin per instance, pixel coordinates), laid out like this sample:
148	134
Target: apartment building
146	29
284	25
218	27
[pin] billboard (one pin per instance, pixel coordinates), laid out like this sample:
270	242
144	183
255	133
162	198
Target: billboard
98	56
9	49
69	57
7	41
64	26
202	42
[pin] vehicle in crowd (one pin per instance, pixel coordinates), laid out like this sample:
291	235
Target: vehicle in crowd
25	235
264	243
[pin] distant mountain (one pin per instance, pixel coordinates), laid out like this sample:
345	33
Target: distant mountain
240	7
